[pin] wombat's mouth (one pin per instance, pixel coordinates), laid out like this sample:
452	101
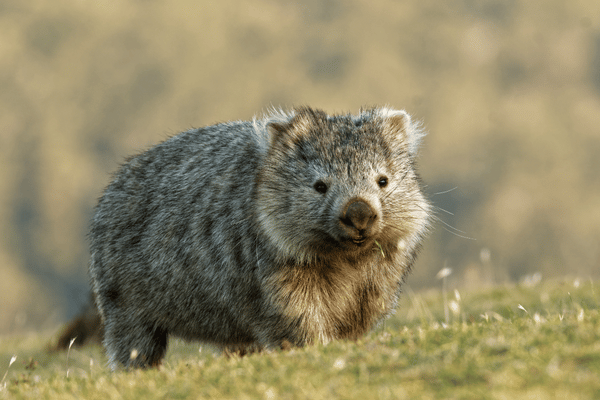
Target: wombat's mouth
359	242
352	243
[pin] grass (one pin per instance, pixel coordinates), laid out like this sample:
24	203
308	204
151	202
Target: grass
505	342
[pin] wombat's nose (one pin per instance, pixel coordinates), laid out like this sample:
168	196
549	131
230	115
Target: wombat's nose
359	215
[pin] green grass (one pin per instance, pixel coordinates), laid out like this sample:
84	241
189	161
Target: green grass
507	342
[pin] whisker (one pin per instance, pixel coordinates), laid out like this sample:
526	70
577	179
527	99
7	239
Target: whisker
455	231
436	208
445	191
456	234
447	227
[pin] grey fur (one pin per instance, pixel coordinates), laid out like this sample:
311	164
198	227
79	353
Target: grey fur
281	231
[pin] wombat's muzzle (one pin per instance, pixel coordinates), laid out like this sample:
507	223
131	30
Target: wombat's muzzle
357	220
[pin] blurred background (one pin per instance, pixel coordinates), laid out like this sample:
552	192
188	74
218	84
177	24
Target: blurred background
509	91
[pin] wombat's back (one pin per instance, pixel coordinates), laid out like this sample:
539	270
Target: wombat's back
170	242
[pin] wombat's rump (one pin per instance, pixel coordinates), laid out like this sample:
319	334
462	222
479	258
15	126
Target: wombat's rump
249	235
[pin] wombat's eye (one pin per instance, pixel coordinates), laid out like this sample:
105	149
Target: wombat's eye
320	187
382	182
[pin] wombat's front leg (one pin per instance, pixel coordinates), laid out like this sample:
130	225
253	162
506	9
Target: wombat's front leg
132	343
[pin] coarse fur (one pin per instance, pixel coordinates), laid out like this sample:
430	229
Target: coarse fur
289	229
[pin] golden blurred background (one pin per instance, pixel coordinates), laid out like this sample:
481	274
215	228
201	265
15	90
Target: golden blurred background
509	91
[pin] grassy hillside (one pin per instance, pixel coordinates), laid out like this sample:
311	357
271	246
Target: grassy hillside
539	340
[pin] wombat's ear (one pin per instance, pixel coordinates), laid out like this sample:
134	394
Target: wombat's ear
276	128
279	133
288	132
398	122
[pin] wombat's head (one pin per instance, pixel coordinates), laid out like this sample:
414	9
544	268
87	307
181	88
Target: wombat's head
341	185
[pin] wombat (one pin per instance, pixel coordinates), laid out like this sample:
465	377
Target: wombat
282	231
